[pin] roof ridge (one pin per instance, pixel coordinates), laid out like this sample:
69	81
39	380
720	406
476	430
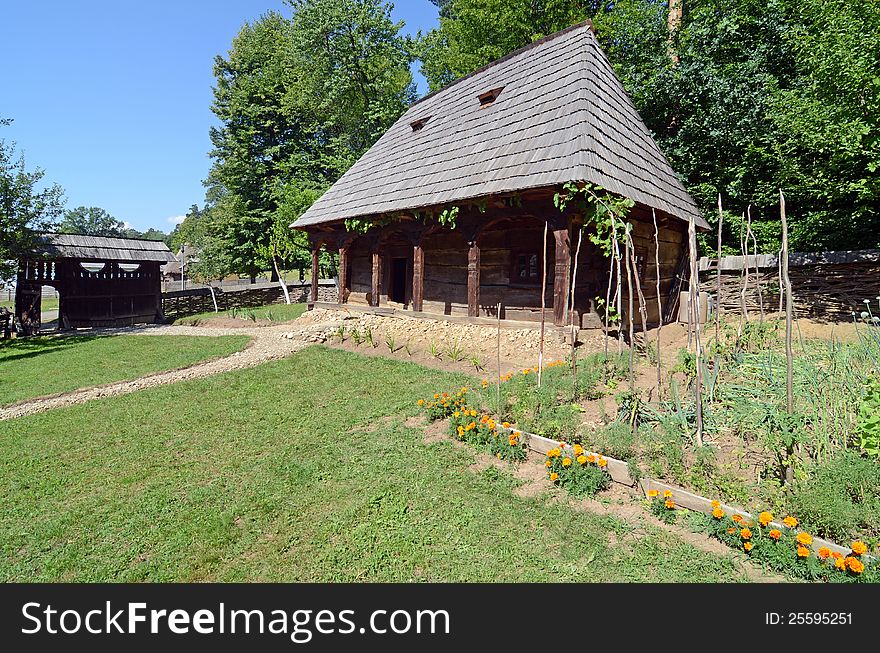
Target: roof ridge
510	55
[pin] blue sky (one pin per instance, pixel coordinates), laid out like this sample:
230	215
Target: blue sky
112	98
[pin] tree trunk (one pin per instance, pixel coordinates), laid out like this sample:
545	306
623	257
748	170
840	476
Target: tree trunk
277	277
673	24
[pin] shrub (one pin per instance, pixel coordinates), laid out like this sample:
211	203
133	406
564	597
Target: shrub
868	426
841	496
615	439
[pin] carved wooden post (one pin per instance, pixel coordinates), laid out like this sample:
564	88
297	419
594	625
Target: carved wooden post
561	272
374	285
316	252
343	274
474	279
418	280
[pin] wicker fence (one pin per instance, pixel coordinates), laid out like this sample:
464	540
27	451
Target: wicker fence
825	286
180	303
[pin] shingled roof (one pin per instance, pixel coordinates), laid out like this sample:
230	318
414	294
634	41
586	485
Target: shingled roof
562	115
107	249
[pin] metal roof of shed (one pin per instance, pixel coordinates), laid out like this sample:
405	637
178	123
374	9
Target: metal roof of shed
562	115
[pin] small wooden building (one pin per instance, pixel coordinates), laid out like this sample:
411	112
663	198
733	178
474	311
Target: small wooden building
494	148
100	281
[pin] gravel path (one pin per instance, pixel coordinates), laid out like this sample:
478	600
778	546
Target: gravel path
268	343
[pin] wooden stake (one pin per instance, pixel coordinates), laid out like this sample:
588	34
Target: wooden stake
617	298
718	281
751	234
659	302
543	307
572	312
789	356
498	354
629	312
643	310
694	295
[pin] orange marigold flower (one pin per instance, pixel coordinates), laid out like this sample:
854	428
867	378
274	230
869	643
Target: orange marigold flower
591	458
824	553
765	518
566	462
718	513
578	450
737	518
667	493
716	504
791	522
456	414
855	565
436	395
859	548
653	493
731	530
505	424
485	383
554	476
803	552
421	402
582	459
748	546
836	555
670	504
775	533
745	533
840	563
547	464
804	538
511	440
602	462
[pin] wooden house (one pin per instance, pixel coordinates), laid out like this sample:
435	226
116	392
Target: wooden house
494	148
100	281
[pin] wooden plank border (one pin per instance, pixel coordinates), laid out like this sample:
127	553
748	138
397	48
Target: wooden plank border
619	472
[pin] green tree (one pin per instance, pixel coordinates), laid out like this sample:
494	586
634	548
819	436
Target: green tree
474	32
91	221
25	208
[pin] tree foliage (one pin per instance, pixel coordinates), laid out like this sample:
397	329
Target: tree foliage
91	221
26	208
299	99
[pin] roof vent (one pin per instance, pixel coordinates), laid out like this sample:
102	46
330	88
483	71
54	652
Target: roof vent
489	97
418	124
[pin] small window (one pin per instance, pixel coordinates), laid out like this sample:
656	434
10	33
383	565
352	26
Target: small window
92	267
129	267
418	124
526	269
489	97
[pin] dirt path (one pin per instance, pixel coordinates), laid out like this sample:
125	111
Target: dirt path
268	343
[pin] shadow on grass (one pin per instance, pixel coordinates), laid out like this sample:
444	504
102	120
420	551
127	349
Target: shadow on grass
21	348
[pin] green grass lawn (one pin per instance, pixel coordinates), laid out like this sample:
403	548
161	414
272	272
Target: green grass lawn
48	304
35	367
272	312
297	470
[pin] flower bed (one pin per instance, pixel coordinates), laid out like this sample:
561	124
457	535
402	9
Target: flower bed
779	547
788	550
467	424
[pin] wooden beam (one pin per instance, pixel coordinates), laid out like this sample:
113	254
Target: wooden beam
418	278
473	279
343	275
561	274
374	285
316	252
